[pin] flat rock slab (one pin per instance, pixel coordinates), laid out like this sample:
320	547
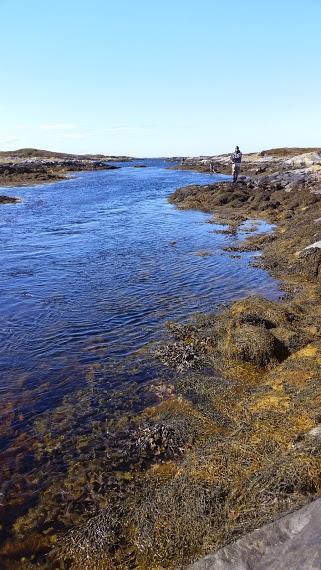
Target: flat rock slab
292	542
315	244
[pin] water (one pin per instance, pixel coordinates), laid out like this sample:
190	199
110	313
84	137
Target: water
94	265
91	268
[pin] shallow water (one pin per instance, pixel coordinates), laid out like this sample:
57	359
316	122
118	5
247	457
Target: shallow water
91	267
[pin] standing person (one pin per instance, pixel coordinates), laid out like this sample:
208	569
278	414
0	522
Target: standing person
236	159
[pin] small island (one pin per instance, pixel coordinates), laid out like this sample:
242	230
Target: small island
9	200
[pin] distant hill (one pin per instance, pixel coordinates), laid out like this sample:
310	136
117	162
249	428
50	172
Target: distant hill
288	152
25	153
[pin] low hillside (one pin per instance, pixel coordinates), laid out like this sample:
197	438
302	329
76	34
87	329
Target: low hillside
27	153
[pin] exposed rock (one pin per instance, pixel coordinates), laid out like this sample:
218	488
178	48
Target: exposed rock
203	253
9	200
290	543
30	166
315	433
309	263
264	162
310	441
315	244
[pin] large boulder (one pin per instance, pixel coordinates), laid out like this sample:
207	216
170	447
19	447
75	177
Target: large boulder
308	264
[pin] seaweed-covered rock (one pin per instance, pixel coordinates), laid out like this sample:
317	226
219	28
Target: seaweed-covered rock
293	339
310	441
259	311
164	439
254	344
309	263
179	355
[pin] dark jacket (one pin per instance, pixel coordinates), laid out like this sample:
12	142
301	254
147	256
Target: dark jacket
236	157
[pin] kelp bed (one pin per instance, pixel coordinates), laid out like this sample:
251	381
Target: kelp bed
156	474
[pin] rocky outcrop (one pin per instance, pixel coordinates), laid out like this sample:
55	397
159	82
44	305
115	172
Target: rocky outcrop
9	200
29	166
267	196
264	162
290	543
34	170
32	166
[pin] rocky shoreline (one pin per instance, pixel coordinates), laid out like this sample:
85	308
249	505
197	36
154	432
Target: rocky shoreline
289	198
31	166
250	332
278	160
225	439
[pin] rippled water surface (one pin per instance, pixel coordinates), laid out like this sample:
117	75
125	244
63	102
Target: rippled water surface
91	267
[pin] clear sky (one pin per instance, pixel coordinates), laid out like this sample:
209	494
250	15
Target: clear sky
151	78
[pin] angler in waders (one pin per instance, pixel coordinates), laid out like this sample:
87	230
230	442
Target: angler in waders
236	159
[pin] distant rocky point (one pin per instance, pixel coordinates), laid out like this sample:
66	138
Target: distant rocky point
29	166
257	163
35	153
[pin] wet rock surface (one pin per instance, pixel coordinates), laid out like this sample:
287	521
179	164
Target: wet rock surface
9	200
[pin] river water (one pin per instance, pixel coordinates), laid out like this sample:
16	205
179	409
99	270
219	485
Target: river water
91	268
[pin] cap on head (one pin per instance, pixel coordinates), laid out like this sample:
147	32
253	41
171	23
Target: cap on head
237	148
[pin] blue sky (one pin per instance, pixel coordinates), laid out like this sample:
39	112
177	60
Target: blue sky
160	78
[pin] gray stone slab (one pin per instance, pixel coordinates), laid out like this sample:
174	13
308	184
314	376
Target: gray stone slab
292	542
